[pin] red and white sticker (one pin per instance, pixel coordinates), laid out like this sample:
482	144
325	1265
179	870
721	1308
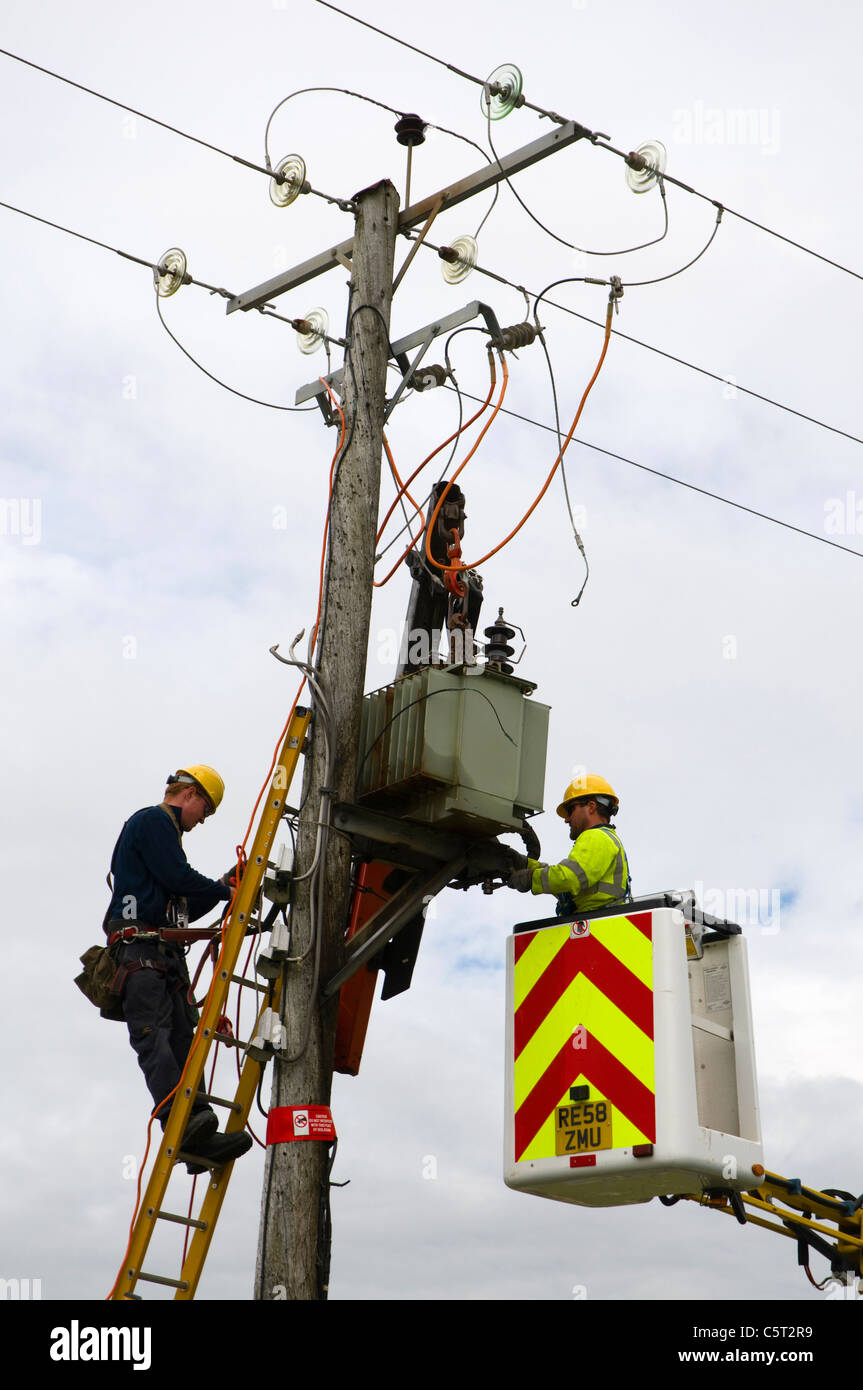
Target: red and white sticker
286	1123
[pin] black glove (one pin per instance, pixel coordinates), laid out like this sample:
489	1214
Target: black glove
230	878
521	879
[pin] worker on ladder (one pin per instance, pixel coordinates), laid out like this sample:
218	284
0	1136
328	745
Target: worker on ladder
596	872
153	884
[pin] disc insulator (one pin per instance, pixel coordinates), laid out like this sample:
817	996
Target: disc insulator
317	324
284	190
171	273
460	266
502	92
645	166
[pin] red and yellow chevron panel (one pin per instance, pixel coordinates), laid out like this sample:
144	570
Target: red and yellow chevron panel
584	1017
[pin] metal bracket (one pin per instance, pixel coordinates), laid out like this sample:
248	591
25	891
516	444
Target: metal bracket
421	338
389	921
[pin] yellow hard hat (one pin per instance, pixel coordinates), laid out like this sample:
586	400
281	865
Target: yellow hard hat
588	785
207	778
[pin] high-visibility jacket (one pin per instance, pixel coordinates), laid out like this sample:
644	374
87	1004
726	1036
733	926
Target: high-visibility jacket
596	872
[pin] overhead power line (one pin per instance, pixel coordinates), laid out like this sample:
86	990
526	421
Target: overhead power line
704	371
187	279
80	235
596	139
268	313
238	159
175	130
681	482
275	175
681	361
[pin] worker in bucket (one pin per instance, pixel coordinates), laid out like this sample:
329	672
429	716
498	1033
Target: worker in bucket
596	872
156	894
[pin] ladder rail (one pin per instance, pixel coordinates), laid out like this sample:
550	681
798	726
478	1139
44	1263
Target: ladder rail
214	1005
208	1213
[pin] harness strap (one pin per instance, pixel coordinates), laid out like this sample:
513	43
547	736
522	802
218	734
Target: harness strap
178	934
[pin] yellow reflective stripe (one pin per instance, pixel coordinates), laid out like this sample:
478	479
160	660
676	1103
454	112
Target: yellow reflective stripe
620	863
629	945
623	1038
557	1026
583	1004
534	960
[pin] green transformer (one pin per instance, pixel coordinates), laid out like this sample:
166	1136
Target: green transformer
459	747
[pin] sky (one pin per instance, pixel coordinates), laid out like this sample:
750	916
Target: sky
160	533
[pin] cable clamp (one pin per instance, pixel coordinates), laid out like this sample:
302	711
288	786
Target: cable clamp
616	292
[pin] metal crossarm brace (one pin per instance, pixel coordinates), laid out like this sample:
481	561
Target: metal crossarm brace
422	338
438	856
181	1106
390	920
449	197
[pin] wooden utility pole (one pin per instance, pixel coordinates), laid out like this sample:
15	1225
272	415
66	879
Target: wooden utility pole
293	1249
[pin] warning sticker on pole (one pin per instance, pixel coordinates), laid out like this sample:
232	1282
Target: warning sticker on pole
285	1123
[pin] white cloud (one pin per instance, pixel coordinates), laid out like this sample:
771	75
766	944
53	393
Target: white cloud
138	624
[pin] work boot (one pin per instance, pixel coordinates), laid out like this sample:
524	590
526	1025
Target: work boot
218	1150
202	1124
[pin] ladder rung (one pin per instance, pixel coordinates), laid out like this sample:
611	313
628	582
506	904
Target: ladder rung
182	1220
252	984
183	1157
163	1279
228	1104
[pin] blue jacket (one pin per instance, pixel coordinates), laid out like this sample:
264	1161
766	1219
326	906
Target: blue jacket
150	869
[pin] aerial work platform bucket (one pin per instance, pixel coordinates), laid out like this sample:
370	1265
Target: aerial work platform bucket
630	1064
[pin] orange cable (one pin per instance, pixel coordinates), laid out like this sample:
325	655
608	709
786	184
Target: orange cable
434	452
428	459
402	491
465	461
462	565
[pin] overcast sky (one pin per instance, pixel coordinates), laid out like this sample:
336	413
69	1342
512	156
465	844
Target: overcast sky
711	673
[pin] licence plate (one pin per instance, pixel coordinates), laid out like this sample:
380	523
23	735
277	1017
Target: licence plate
582	1128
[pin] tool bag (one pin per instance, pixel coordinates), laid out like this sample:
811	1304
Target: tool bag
100	979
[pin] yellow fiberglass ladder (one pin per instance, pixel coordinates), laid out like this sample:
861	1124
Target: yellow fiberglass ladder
152	1208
